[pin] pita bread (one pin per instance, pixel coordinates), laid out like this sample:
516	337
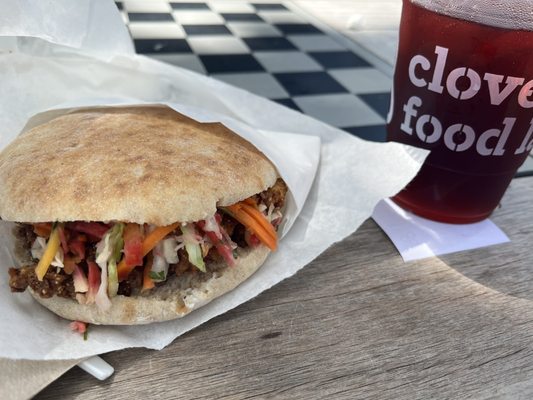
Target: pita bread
172	300
137	164
134	164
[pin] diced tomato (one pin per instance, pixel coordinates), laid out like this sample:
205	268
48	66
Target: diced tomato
133	240
63	238
94	281
95	229
226	252
42	229
77	247
222	245
251	239
78	326
69	264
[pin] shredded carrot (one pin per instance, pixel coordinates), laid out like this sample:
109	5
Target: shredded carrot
42	229
256	222
156	236
268	233
250	201
52	246
148	282
149	242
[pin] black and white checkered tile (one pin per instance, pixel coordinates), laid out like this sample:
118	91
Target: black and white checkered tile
268	49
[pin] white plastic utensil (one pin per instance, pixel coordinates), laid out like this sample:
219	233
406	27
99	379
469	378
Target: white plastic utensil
97	367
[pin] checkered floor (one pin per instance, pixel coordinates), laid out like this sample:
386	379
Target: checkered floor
269	49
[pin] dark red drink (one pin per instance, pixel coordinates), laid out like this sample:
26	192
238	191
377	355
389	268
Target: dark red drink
463	90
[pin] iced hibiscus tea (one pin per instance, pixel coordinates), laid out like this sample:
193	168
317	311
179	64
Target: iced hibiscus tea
463	90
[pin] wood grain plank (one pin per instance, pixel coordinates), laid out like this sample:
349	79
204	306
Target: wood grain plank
357	323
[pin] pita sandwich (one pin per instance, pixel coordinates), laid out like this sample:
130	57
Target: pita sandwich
137	214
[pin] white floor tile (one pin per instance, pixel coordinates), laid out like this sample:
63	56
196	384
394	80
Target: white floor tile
252	29
156	30
362	80
318	42
226	6
217	45
383	44
341	110
188	61
527	165
200	17
286	61
281	17
260	83
144	6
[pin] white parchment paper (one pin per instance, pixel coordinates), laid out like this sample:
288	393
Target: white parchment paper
417	238
36	75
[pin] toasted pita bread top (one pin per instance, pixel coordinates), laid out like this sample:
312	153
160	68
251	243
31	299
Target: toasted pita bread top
144	165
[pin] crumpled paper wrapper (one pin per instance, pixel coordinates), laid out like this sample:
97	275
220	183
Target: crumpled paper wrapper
48	67
23	379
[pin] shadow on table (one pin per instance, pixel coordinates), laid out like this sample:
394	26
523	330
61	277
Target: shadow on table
506	268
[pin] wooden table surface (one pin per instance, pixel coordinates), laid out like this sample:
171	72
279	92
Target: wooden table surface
357	323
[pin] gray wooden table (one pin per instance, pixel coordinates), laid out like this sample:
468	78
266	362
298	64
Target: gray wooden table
357	323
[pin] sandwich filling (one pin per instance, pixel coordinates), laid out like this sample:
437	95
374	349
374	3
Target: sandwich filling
91	262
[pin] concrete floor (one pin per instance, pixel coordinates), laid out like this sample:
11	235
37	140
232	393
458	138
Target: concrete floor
372	24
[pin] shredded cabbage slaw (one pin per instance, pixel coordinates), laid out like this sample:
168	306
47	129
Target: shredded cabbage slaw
101	283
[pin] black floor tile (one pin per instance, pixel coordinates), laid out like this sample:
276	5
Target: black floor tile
379	102
230	63
309	83
374	133
145	46
269	6
299	29
150	17
339	59
246	17
288	103
206	30
269	43
189	6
